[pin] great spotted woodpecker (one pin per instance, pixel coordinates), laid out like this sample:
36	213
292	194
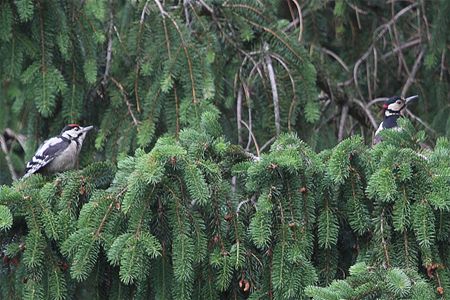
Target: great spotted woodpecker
59	153
393	108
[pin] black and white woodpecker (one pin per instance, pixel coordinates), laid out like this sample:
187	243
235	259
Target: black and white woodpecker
59	153
393	108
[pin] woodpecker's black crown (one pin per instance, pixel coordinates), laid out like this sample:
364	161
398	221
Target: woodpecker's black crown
69	126
394	105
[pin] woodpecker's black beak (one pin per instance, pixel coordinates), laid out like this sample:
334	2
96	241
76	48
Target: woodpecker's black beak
86	129
411	99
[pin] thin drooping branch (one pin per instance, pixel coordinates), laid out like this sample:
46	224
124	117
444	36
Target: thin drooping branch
253	137
125	98
273	85
382	30
375	69
294	93
266	144
413	73
339	96
20	138
342	122
425	124
367	112
300	19
401	47
206	6
239	114
4	147
376	100
333	55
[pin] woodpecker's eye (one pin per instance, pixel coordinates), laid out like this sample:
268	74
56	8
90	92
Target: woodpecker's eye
77	128
399	102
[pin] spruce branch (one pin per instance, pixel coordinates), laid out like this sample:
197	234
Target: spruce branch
164	14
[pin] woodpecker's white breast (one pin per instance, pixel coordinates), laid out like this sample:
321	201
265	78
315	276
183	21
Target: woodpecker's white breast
66	160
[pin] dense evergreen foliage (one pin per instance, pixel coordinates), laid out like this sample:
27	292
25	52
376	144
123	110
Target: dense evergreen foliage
232	158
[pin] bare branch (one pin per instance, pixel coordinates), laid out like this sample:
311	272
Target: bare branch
382	30
300	19
333	55
4	147
251	200
425	124
375	69
208	8
20	138
401	47
344	115
273	84
367	112
414	70
376	100
272	139
294	94
253	137
239	115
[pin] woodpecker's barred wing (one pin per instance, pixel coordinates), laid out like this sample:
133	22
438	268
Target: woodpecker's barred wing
45	154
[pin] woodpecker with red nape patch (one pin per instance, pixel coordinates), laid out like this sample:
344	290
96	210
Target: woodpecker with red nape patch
59	153
393	108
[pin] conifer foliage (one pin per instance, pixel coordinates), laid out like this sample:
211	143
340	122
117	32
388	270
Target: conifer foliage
169	223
